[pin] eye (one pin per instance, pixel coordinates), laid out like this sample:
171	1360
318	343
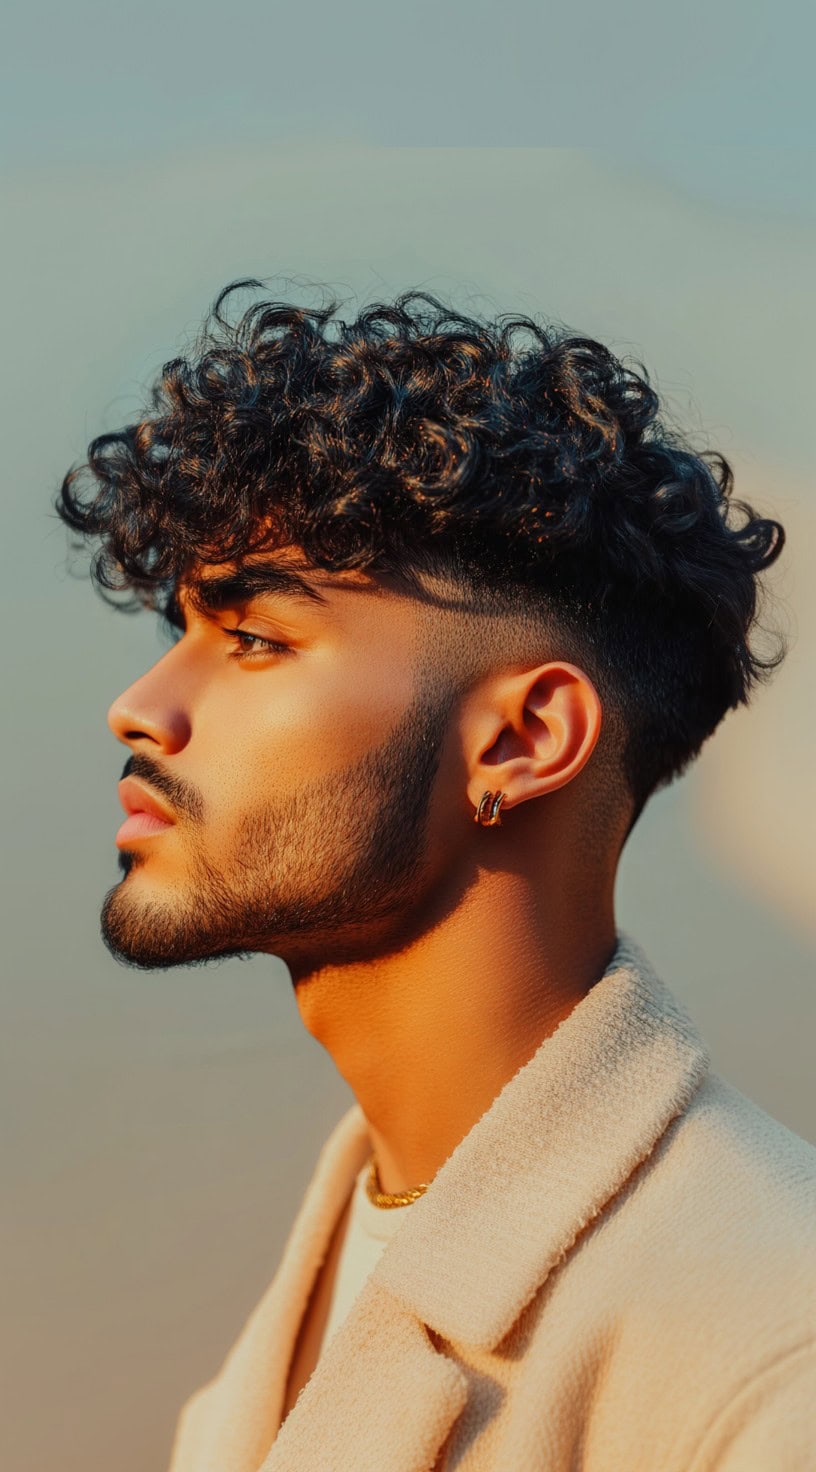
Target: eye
262	649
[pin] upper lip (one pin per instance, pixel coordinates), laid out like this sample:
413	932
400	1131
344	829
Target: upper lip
137	799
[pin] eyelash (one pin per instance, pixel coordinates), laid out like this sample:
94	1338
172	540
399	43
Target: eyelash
270	646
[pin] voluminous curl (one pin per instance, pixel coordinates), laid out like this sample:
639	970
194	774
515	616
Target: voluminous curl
415	436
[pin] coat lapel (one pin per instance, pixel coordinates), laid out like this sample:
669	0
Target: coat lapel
240	1410
381	1396
559	1140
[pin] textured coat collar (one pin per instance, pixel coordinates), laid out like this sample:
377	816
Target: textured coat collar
558	1141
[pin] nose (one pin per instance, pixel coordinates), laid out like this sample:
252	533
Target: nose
152	711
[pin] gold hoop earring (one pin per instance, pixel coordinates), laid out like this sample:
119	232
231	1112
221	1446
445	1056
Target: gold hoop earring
493	818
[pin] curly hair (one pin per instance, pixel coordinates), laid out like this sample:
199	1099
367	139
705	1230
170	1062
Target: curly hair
539	473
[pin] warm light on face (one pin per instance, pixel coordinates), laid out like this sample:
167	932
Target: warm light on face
284	732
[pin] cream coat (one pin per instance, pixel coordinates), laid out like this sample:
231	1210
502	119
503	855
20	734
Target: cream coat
614	1271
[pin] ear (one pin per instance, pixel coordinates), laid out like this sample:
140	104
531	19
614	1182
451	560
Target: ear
532	732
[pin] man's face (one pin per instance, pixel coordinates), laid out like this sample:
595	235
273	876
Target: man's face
299	777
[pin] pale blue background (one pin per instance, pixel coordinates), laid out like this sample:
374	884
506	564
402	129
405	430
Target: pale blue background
93	80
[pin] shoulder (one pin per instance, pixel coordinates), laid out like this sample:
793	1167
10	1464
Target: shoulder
730	1193
709	1253
726	1149
694	1291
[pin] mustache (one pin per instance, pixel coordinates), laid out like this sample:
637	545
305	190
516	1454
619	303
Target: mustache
182	798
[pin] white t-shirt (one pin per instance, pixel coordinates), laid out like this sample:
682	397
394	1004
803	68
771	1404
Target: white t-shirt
370	1229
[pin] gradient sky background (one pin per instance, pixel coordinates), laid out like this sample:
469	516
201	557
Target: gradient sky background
163	1126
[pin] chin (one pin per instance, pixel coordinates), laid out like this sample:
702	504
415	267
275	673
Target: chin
147	935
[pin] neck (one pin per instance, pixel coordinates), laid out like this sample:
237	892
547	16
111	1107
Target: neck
427	1036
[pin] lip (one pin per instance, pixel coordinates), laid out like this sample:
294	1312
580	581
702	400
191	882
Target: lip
145	814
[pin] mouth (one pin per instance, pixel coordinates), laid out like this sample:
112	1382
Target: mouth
146	816
140	825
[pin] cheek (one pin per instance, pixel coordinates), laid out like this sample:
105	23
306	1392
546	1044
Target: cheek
294	726
359	708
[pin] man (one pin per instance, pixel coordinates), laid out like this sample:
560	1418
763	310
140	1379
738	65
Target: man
451	601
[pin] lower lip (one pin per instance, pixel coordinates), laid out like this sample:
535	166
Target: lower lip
141	825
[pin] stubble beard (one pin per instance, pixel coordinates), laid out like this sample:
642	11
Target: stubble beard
313	876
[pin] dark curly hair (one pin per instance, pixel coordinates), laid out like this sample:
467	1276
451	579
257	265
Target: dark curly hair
539	473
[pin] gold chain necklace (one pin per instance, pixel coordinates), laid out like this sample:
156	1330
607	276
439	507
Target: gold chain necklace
387	1198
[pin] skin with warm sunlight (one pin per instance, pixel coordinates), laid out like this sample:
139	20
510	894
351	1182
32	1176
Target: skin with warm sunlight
321	785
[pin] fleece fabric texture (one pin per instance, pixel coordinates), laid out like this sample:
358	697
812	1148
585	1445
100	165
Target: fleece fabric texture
614	1271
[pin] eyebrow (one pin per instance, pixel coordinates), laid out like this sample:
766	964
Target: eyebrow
255	580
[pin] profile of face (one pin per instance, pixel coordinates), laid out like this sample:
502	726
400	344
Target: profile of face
289	742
